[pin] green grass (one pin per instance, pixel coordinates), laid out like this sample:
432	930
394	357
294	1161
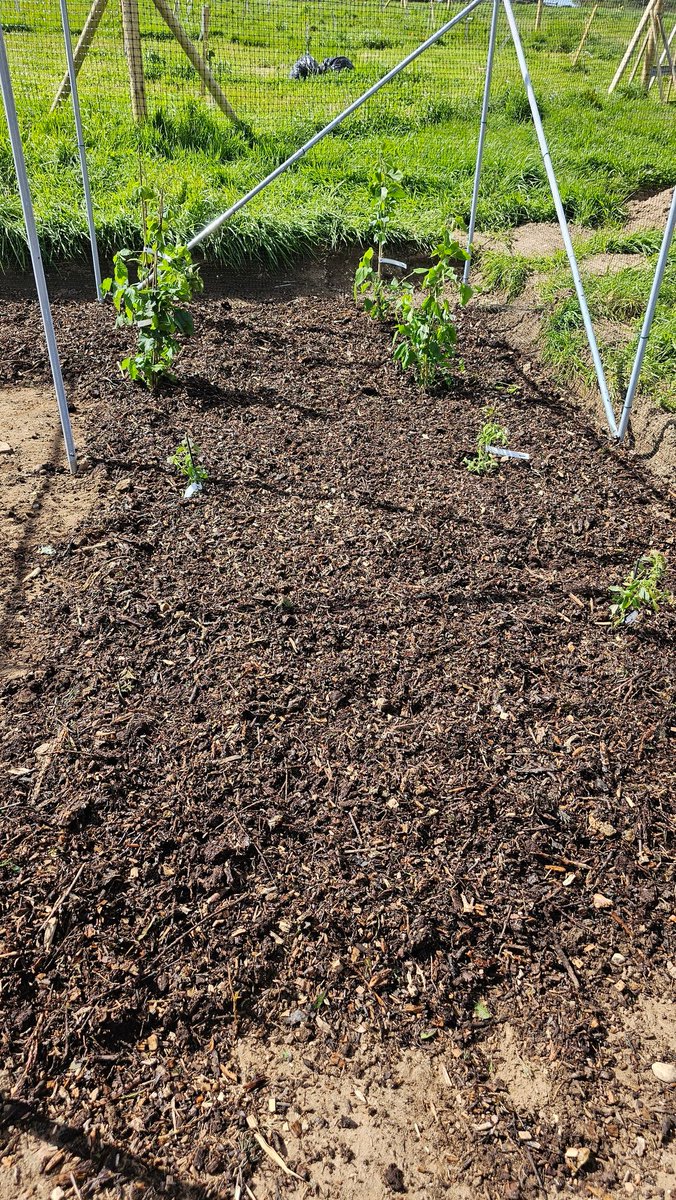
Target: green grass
425	122
617	303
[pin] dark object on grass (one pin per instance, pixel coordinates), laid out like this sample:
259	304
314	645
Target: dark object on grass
305	66
338	63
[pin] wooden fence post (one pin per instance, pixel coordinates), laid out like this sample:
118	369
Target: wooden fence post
204	39
203	69
132	49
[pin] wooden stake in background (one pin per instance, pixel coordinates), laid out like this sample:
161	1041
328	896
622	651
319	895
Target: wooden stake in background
204	39
80	53
134	55
585	35
132	49
203	69
645	18
538	14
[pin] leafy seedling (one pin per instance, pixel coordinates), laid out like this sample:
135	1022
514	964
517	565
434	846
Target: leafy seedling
492	433
426	335
640	590
370	289
149	290
186	460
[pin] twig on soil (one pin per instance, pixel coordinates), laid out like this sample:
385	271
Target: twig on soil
271	1153
566	963
62	897
76	1189
49	758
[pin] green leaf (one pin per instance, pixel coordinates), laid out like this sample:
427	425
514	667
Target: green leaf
481	1011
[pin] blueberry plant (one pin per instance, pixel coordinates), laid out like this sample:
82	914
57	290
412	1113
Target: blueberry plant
426	335
370	289
187	459
149	291
492	433
640	590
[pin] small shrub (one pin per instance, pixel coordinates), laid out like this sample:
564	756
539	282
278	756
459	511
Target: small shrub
425	337
640	590
187	461
375	293
152	303
492	433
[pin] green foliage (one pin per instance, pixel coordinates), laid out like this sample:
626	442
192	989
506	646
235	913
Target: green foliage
375	293
492	433
641	589
425	336
152	302
187	461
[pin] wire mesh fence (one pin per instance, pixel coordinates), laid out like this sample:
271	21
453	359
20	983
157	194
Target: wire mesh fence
159	96
251	47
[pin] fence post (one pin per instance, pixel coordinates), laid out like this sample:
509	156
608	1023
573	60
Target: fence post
132	48
204	39
34	247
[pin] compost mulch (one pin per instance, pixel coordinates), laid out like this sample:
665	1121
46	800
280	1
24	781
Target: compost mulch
343	751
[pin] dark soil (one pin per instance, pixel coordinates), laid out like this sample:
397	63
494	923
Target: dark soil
348	734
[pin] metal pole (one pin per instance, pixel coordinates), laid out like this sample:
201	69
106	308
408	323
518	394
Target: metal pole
648	319
556	196
289	162
482	137
34	246
72	75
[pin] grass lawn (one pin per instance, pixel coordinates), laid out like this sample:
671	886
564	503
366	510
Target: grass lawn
604	148
426	123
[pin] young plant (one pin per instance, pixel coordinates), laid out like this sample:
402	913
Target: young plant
150	296
187	461
375	293
426	335
492	433
640	590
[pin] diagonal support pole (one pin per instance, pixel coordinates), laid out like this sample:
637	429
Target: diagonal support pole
84	42
648	319
34	247
294	158
482	138
198	62
565	232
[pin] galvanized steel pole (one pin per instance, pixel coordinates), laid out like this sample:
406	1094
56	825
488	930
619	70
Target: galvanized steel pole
72	75
294	158
565	233
648	319
34	247
482	137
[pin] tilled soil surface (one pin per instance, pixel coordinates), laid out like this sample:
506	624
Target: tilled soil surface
339	766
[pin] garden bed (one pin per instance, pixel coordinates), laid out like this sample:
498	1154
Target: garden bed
340	766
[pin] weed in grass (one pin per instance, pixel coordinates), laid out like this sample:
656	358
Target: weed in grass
492	433
504	272
425	336
641	590
187	461
153	303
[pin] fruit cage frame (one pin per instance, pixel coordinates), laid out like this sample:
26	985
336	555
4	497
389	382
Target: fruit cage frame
617	425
